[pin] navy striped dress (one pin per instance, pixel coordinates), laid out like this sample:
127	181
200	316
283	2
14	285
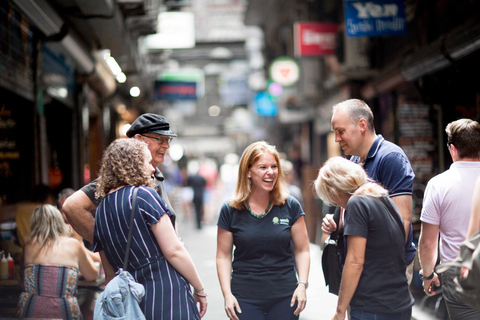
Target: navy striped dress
167	292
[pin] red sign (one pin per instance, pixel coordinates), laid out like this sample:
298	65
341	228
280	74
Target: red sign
314	38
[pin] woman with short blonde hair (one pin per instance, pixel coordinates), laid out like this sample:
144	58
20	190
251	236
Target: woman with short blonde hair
374	283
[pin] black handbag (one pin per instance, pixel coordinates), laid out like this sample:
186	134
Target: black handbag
332	258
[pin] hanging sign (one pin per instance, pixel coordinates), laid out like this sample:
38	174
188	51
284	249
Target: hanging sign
314	38
284	71
375	18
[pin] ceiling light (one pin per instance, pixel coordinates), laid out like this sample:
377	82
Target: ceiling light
135	91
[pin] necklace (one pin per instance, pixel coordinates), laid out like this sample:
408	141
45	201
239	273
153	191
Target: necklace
259	216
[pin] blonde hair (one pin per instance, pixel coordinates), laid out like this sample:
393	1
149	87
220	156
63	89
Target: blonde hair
46	225
341	176
123	165
243	189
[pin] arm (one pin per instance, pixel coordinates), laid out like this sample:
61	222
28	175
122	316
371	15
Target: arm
85	263
78	208
474	225
301	250
404	206
179	258
352	271
224	270
107	267
428	246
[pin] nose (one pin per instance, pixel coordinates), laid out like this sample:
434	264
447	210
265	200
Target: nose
337	137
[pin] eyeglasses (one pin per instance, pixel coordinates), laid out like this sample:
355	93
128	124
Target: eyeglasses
160	141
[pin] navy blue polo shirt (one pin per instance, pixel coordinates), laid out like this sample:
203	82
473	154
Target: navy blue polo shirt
387	164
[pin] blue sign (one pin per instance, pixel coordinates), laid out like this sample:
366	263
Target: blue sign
375	18
265	105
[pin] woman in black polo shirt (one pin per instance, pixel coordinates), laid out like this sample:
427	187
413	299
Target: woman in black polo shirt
267	228
374	283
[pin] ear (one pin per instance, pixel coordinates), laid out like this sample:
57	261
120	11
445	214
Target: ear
362	124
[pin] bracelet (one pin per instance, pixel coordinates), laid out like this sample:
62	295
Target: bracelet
430	277
198	290
200	295
303	282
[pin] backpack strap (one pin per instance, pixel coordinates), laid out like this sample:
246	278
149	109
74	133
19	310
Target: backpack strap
130	229
394	214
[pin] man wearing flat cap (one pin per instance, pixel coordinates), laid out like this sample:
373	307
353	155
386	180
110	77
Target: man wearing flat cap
151	128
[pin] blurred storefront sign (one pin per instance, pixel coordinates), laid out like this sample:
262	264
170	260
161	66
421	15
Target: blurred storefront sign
176	30
314	38
375	18
175	90
266	107
284	71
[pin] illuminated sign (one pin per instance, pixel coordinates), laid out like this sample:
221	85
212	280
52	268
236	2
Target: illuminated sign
284	71
314	38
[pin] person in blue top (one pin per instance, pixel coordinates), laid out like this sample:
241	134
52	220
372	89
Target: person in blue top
268	275
383	161
374	283
158	260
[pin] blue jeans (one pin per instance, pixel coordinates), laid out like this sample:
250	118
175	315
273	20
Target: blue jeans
267	310
362	315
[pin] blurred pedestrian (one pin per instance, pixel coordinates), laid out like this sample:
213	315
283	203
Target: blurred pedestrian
374	283
198	184
158	260
290	178
446	211
383	161
150	128
42	194
262	221
53	261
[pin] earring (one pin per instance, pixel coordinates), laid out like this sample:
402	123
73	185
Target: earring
249	181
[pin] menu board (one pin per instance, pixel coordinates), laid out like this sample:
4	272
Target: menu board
16	147
417	139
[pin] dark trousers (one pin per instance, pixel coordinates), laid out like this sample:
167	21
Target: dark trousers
362	315
267	310
457	310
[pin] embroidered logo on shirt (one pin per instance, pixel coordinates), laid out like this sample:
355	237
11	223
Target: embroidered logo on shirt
285	221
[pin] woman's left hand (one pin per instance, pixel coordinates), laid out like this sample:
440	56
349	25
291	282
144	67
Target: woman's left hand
300	296
201	299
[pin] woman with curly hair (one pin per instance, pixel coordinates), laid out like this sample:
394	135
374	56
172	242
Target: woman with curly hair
53	260
374	283
158	260
267	227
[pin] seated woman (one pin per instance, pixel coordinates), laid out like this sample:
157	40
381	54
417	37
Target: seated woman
373	283
53	260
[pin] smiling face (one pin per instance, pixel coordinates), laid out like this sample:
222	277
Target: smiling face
157	149
347	134
264	173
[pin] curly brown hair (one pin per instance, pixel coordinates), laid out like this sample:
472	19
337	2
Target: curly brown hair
123	165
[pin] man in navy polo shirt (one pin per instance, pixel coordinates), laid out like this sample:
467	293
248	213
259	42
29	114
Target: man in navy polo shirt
384	162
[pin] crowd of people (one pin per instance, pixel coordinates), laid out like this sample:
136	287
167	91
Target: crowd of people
262	256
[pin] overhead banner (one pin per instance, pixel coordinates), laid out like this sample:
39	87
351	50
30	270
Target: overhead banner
314	38
375	18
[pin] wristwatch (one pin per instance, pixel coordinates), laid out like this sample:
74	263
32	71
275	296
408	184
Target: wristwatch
430	277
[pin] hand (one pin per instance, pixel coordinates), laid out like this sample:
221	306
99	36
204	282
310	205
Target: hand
339	316
231	304
328	224
428	285
201	299
300	296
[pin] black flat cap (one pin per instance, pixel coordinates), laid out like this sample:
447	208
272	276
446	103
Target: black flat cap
150	123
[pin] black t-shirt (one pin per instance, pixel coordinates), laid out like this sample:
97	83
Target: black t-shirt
383	286
263	262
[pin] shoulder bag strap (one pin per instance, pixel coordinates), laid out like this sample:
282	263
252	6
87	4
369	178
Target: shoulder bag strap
130	230
394	214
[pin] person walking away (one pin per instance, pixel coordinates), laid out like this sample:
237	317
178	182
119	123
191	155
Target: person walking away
266	279
446	212
158	260
374	282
